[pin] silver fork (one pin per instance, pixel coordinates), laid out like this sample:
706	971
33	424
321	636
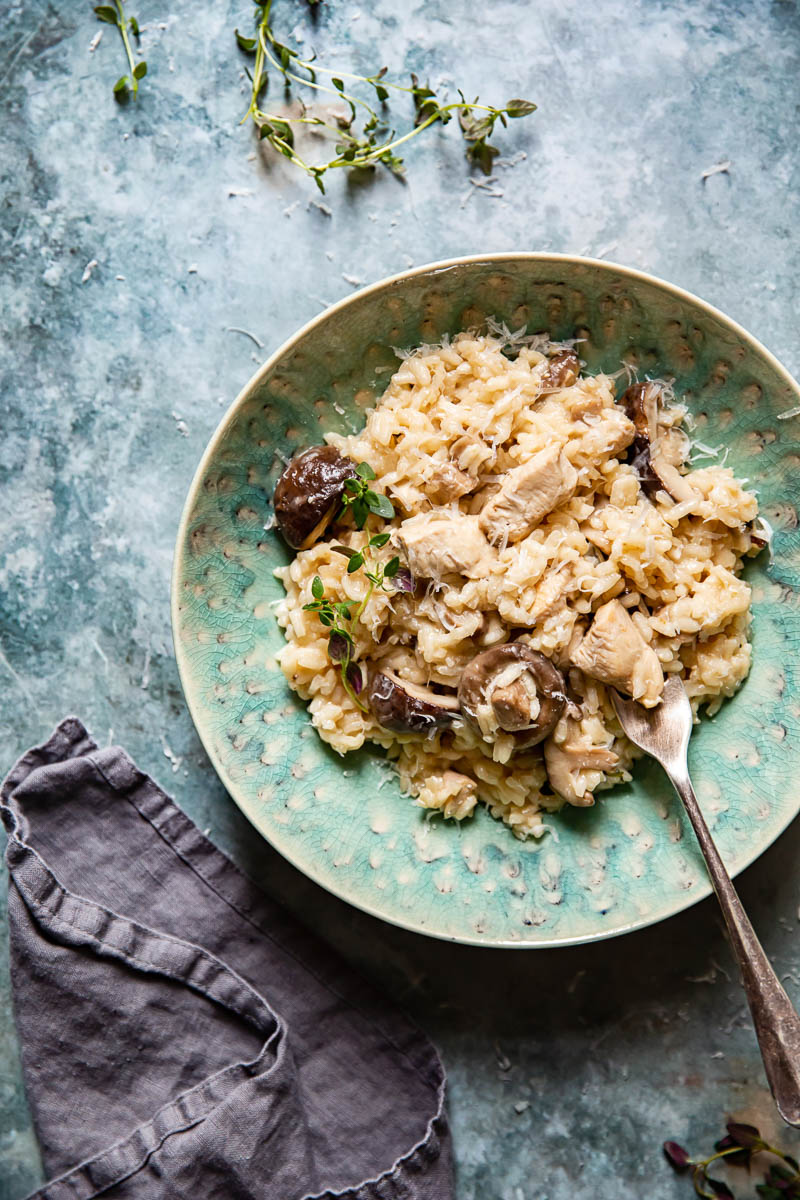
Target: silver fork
663	733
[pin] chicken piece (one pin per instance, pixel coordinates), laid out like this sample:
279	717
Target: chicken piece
614	652
606	435
552	591
572	760
438	544
448	482
528	493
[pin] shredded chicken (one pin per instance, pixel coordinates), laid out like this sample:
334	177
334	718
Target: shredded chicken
528	493
614	652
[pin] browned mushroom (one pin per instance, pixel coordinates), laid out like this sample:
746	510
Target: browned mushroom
640	402
448	482
406	707
633	401
308	494
562	370
512	689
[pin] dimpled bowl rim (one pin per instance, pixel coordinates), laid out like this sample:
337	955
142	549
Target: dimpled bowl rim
287	848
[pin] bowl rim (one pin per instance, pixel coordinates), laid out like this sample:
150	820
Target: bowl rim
499	257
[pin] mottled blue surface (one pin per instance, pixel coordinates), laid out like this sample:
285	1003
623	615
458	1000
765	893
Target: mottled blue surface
112	387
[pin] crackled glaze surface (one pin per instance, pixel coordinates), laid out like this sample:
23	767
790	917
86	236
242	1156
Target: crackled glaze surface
630	860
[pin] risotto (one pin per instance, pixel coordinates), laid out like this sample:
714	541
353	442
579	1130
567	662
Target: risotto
506	540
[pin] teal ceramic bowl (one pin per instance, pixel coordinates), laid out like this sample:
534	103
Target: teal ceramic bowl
629	861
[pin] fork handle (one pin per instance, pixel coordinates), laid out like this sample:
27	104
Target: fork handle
777	1025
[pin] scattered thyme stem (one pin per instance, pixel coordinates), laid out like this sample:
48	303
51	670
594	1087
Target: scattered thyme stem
123	28
370	142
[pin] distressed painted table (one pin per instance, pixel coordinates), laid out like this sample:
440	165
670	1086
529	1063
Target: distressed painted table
137	242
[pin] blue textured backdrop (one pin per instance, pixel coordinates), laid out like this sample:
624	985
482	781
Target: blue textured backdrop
568	1067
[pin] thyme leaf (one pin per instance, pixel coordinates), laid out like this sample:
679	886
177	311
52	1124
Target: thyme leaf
360	500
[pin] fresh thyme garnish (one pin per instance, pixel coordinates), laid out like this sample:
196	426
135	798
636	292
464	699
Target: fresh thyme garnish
375	142
739	1147
338	615
115	15
360	500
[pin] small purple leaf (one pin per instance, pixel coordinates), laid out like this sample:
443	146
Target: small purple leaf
743	1135
719	1188
676	1156
355	677
338	648
404	581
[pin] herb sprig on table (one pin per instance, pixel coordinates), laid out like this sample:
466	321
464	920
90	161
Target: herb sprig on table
362	133
341	617
114	14
740	1145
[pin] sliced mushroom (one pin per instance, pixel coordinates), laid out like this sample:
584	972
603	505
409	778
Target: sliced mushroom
568	755
448	482
515	690
406	707
633	401
655	474
562	370
308	494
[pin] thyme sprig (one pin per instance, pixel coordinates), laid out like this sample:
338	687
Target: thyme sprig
739	1147
339	616
375	141
114	14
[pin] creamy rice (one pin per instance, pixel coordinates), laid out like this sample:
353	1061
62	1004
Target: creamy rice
463	415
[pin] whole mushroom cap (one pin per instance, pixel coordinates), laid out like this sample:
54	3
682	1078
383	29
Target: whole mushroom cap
506	701
308	494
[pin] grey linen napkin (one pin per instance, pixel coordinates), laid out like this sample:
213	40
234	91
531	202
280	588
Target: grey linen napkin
182	1035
